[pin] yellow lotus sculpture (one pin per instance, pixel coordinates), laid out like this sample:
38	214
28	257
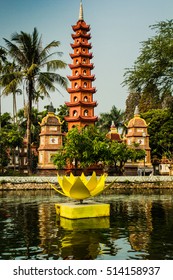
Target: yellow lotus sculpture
79	188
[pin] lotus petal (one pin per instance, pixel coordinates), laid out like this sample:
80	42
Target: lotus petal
105	188
66	186
72	178
84	179
92	183
100	186
60	181
78	190
57	190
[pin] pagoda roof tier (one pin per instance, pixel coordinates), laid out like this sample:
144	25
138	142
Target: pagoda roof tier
83	103
73	78
81	89
80	54
81	118
81	44
81	24
89	65
81	35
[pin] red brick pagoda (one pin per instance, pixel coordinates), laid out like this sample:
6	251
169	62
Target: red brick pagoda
81	105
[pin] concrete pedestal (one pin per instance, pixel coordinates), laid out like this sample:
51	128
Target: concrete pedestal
81	211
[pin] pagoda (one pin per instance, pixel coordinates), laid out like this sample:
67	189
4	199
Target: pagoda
137	133
81	105
50	142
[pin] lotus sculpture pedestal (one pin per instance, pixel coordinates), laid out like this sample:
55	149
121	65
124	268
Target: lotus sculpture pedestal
80	188
80	211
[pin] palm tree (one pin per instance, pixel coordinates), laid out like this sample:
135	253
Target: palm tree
105	119
11	84
36	68
2	60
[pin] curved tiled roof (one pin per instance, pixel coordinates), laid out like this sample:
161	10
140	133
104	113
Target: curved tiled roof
137	121
51	118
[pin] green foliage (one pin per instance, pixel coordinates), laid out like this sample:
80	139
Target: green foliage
4	155
10	138
160	131
88	146
105	119
37	70
151	75
81	147
120	153
36	118
62	112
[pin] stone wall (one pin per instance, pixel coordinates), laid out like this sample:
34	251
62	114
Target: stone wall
121	182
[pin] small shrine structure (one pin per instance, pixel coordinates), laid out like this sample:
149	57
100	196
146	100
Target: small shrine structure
81	105
113	134
50	142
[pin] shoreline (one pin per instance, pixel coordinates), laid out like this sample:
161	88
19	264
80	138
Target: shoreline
121	182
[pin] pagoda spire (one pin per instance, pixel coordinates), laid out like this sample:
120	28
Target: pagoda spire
136	112
81	16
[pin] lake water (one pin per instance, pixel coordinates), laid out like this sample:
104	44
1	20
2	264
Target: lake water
140	227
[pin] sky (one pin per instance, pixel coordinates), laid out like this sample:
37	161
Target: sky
117	28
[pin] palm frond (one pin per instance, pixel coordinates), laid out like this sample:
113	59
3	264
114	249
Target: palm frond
15	52
51	45
55	64
44	59
32	70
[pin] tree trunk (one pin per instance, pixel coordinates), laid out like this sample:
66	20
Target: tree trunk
28	131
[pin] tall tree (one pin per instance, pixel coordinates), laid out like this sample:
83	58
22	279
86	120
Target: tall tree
37	70
152	70
2	60
146	100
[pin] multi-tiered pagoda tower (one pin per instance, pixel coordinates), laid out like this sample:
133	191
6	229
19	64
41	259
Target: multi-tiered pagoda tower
81	105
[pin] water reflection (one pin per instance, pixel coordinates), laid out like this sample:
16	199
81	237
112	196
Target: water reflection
140	227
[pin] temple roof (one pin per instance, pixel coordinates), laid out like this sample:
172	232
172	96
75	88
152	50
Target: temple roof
51	119
85	65
80	76
81	44
80	54
80	118
137	121
84	103
82	35
81	89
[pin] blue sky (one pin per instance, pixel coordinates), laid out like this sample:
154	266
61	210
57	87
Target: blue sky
117	28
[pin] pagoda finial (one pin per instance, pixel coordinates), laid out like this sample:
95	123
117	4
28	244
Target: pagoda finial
51	108
81	17
113	127
136	113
